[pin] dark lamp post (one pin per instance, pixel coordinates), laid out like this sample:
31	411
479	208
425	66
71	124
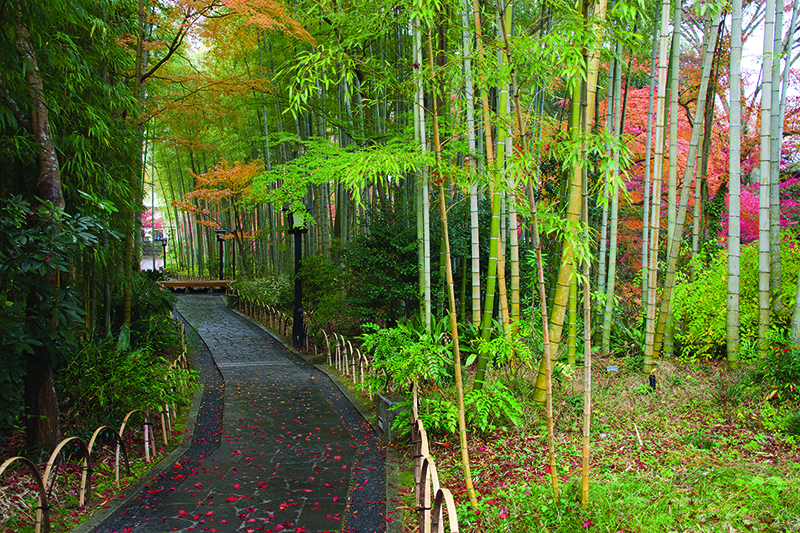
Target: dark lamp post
220	233
295	223
163	242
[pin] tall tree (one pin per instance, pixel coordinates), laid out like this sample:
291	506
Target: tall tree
734	186
423	212
469	90
491	273
573	212
462	422
665	314
764	184
776	136
40	398
613	233
67	160
655	203
647	159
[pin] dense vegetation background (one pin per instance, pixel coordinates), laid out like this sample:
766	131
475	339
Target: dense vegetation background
506	189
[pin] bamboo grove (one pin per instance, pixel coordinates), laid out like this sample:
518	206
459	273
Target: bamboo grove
528	160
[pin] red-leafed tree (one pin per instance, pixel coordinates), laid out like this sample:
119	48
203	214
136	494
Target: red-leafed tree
219	200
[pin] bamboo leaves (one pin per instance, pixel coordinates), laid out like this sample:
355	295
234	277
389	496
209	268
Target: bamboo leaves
321	65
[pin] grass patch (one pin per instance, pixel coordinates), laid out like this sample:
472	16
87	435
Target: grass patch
702	498
704	452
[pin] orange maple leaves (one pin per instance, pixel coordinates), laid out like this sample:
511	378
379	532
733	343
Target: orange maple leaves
222	187
269	15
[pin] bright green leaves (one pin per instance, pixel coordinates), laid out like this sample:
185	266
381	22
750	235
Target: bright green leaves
700	305
406	355
313	69
491	406
323	161
425	11
507	349
710	8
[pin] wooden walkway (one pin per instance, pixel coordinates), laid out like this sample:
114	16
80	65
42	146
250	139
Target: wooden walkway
196	284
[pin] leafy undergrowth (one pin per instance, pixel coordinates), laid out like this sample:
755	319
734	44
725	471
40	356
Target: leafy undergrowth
700	454
19	495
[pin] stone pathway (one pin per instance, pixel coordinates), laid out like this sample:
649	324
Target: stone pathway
277	446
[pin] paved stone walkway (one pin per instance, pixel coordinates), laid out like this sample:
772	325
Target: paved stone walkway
277	446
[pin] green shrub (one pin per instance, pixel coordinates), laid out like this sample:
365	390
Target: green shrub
781	419
407	354
780	369
487	409
109	379
323	297
148	299
41	311
324	302
275	291
701	305
439	415
793	423
159	335
383	270
491	407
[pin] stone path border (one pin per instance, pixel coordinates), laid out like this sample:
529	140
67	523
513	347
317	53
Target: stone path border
198	442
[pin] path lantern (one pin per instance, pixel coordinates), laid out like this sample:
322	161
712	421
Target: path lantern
295	222
220	233
163	242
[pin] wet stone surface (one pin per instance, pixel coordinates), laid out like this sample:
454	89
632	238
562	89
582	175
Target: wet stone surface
277	446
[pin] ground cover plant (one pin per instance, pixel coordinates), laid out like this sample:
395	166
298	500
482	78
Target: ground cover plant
706	451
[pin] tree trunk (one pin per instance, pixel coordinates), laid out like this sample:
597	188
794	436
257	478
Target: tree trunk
462	421
674	94
41	404
665	314
469	89
655	204
647	158
764	189
560	302
735	187
423	213
490	168
776	136
572	321
546	356
612	252
602	254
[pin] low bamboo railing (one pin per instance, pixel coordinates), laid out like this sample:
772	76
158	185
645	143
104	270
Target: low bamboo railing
45	481
426	485
346	359
268	316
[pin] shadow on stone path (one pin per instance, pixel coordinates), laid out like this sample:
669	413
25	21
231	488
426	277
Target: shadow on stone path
277	446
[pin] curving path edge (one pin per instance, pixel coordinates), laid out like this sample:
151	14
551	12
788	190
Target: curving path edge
276	445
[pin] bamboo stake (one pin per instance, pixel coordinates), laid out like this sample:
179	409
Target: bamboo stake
462	422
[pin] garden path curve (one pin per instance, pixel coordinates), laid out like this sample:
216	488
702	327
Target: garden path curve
276	447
